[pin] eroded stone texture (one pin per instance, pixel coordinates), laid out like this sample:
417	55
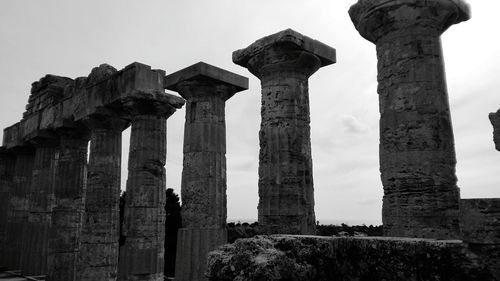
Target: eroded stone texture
56	104
7	162
310	258
98	257
283	62
41	199
142	255
206	89
67	213
417	154
480	227
18	206
495	121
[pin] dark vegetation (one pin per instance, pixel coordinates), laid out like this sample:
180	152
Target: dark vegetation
246	230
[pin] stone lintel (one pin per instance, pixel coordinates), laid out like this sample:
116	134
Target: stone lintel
203	70
325	53
83	98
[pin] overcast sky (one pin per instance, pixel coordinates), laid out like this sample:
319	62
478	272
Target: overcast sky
69	38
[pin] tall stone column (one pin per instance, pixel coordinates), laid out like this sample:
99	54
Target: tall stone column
283	62
41	199
67	213
98	257
417	154
206	89
7	163
18	206
142	254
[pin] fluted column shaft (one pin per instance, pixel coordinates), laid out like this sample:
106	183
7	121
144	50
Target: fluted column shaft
283	62
286	192
67	213
142	255
41	200
98	257
203	191
204	169
417	154
18	205
7	164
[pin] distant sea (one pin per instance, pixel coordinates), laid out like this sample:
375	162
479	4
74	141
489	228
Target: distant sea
324	222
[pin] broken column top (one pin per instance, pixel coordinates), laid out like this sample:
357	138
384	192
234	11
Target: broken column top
495	121
205	71
325	53
367	19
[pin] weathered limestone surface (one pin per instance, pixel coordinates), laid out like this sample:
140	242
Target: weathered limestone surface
67	213
417	155
98	257
76	100
495	121
283	62
142	255
206	89
480	227
41	199
310	258
7	162
17	218
56	104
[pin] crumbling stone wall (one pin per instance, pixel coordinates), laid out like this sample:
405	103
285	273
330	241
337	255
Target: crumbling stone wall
59	222
311	258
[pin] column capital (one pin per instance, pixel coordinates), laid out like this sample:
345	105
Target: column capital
375	19
152	102
105	118
286	49
495	121
202	79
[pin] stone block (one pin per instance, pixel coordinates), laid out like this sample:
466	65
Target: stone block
314	258
326	53
480	221
200	71
193	246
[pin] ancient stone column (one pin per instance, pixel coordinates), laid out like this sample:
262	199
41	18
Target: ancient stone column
98	257
495	121
67	213
41	199
283	62
7	162
18	206
417	154
142	254
206	89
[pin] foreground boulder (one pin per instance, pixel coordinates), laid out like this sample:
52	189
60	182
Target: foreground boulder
308	258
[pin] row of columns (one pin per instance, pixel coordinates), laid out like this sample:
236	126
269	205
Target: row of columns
62	216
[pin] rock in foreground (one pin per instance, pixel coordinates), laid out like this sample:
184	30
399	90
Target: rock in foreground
308	258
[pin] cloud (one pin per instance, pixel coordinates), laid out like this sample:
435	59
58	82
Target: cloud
353	125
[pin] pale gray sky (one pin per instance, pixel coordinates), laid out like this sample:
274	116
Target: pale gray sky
69	38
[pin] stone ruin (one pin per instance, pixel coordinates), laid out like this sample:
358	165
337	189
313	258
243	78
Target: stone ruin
59	211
